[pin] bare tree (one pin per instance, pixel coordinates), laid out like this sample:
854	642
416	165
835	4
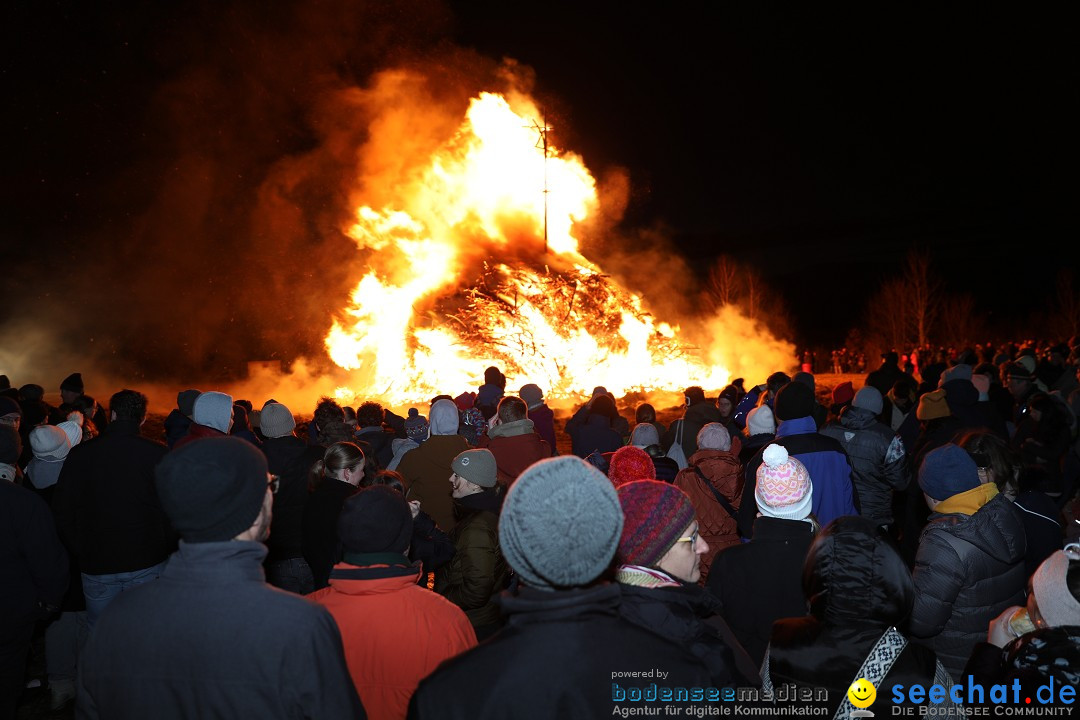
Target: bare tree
924	293
723	284
960	321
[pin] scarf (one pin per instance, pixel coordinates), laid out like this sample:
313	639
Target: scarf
644	577
970	501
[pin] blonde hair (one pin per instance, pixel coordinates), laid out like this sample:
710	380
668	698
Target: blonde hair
338	457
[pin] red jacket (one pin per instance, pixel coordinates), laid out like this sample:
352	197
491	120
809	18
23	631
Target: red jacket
716	525
195	432
395	632
516	446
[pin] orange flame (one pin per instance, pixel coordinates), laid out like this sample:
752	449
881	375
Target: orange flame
419	323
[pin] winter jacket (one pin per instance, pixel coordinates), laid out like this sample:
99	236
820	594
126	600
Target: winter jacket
1033	660
968	569
478	572
376	443
394	631
717	526
857	587
878	461
1042	527
544	424
320	544
515	445
592	432
33	563
430	546
689	615
825	461
209	638
554	660
106	504
427	472
176	426
752	599
752	443
195	432
290	458
696	417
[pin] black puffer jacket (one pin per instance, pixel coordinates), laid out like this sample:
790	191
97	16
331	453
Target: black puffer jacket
689	615
878	460
968	569
857	586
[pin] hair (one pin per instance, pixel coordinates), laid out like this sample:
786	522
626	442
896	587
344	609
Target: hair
350	415
991	452
391	478
694	394
494	376
128	405
776	381
327	410
338	457
246	404
512	408
645	413
370	414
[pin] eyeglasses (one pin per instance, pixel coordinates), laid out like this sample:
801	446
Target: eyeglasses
691	538
274	483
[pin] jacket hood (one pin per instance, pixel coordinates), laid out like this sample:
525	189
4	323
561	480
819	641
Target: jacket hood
444	418
796	426
512	429
853	574
857	418
997	529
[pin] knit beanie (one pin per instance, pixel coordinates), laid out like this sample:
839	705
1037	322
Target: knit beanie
532	395
416	426
476	466
1057	604
644	435
212	490
560	523
730	393
628	464
656	514
868	398
760	421
73	383
185	401
49	443
961	371
947	471
10	445
843	393
375	520
932	405
714	436
783	488
9	407
794	400
276	420
806	379
214	410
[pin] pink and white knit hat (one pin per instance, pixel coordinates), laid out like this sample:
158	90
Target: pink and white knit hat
783	485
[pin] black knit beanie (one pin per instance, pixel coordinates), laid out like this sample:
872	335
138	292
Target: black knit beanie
794	400
375	520
212	489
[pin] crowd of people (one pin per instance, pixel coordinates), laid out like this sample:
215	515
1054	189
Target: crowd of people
452	563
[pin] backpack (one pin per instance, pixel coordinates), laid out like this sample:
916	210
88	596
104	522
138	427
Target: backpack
676	452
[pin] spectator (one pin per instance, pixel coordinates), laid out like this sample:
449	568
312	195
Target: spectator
332	480
513	441
211	415
179	420
427	467
541	415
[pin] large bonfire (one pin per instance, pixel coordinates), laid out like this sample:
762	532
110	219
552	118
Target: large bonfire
474	262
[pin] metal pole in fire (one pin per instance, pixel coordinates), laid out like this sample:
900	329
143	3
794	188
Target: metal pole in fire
542	144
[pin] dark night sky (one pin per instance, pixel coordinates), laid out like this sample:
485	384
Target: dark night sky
819	148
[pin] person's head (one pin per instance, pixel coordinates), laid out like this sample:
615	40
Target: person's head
1054	589
276	420
128	406
714	436
903	393
1047	411
996	462
370	414
474	471
185	401
777	380
214	410
793	401
842	395
10	450
760	421
932	406
852	572
630	463
391	479
694	395
444	418
660	530
375	520
1020	380
342	461
494	376
512	409
645	413
604	405
532	395
644	434
71	387
890	357
49	443
326	411
10	412
560	524
782	486
868	398
727	400
216	489
947	471
350	416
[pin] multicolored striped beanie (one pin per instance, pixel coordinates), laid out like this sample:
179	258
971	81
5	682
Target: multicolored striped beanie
656	514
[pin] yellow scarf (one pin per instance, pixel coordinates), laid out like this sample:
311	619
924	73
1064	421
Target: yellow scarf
970	501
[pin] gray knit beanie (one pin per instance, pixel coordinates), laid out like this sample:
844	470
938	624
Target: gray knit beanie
276	420
560	524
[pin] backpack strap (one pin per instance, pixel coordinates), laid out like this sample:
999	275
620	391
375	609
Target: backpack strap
724	503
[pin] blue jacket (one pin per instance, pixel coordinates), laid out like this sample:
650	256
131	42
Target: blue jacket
825	460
